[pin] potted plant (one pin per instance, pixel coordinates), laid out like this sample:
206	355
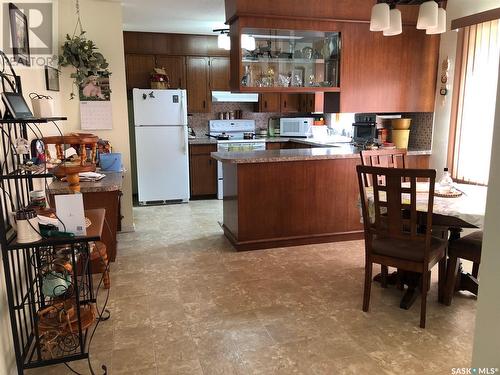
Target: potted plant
83	55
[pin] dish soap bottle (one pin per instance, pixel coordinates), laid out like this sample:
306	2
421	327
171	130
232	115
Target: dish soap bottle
446	182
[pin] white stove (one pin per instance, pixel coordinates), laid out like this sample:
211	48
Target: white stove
236	130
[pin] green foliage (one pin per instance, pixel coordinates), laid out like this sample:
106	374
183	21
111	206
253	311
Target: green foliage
83	55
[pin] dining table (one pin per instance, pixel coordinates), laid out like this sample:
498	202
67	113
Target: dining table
466	209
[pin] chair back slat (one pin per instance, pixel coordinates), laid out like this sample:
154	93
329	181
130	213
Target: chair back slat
384	158
396	215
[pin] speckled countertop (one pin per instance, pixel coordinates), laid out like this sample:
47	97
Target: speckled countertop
306	141
202	141
269	156
338	151
112	182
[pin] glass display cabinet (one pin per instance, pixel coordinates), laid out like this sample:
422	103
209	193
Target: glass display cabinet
289	60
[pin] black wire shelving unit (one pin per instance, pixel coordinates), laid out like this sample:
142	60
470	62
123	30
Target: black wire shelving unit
26	265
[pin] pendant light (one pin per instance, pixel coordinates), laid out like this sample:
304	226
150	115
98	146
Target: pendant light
380	19
441	27
224	41
247	42
396	24
428	15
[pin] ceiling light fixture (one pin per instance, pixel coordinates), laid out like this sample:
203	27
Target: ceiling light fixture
223	40
386	18
396	24
248	42
380	19
427	15
441	27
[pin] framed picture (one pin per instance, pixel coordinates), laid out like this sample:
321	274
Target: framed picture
19	35
51	78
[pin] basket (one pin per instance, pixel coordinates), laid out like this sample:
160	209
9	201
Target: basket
159	85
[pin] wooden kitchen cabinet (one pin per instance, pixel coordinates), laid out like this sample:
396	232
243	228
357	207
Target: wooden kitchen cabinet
388	74
219	73
197	83
139	68
290	103
273	145
175	66
202	171
269	102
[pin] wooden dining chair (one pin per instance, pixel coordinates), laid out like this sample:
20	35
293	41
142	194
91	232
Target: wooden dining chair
394	236
395	158
466	248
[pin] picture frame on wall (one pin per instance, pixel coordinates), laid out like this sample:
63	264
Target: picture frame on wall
51	78
19	35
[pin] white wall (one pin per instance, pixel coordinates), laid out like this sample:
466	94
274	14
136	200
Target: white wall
455	9
102	20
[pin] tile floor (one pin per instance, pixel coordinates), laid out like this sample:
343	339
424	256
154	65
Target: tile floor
184	302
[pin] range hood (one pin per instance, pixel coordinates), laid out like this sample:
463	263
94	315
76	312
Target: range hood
228	96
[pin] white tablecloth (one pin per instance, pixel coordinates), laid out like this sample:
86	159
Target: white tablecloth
470	207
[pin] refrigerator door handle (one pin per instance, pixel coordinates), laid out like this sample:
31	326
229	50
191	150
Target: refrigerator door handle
183	114
183	140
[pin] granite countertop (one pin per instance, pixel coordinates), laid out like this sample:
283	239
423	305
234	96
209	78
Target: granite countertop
202	141
269	156
112	182
332	151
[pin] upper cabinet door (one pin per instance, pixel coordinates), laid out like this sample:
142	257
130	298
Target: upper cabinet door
290	103
388	74
139	68
175	66
219	73
197	71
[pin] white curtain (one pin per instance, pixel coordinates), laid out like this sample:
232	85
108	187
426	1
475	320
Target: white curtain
476	110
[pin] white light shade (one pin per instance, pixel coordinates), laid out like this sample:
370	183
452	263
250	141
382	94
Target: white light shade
441	27
396	26
247	42
380	19
427	15
224	42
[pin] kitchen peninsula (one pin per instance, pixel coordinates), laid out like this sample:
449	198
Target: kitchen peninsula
289	197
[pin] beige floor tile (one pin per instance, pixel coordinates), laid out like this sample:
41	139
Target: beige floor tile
184	302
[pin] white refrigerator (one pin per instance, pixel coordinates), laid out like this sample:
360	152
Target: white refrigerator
160	119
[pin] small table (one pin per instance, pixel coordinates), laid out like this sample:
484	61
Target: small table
466	211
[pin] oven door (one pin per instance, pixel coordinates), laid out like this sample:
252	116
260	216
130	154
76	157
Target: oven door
364	131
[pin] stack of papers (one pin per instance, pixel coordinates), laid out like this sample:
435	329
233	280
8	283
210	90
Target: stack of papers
91	176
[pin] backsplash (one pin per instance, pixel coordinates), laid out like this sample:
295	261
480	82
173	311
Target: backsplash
420	133
199	121
421	130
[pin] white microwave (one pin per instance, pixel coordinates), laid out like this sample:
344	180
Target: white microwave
296	126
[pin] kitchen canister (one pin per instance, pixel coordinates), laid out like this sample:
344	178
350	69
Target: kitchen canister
111	162
400	138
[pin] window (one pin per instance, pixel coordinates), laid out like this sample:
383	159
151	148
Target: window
474	102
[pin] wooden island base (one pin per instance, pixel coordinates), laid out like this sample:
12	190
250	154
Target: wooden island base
289	203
